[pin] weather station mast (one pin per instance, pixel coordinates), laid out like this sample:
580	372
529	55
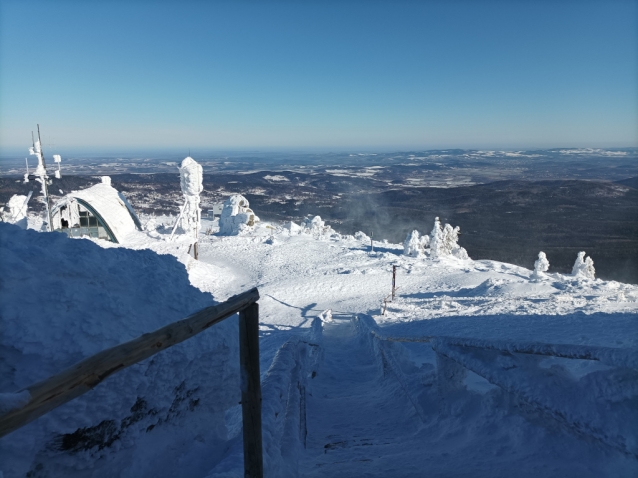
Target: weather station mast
40	174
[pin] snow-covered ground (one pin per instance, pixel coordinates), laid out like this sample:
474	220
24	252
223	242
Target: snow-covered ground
340	401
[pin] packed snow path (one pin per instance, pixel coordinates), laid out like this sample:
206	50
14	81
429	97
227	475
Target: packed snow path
357	419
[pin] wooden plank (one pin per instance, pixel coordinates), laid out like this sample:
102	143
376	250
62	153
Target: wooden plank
251	391
85	375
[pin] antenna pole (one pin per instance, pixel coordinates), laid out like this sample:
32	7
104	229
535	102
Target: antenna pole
45	187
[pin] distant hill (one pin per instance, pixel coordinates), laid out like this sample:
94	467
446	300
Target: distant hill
631	182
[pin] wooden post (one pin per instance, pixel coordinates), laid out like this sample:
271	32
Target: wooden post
250	390
394	280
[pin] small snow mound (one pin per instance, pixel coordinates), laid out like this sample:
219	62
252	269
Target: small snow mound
317	227
293	228
236	217
362	236
489	287
584	267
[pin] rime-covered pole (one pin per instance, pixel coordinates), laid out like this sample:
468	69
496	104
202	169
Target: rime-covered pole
41	173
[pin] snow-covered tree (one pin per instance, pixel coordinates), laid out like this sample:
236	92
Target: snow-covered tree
444	241
437	247
412	245
425	241
584	267
540	266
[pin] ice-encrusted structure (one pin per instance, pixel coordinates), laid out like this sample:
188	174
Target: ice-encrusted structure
236	217
584	267
540	266
444	241
191	182
100	211
63	300
16	210
415	245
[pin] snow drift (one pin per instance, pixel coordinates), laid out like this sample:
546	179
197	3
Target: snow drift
62	300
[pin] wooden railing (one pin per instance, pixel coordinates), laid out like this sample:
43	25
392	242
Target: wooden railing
85	375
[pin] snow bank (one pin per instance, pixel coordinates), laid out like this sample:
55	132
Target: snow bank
236	217
16	210
62	300
283	399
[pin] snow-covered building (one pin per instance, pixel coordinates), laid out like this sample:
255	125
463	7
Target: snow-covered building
100	211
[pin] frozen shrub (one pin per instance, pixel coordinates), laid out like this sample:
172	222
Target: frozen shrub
584	267
317	227
412	246
444	241
540	266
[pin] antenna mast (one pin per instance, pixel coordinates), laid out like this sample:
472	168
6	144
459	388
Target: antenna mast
44	178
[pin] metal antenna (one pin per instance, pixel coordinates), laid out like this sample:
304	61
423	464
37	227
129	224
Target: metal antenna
45	187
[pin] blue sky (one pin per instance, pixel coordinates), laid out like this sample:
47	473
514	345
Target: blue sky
319	75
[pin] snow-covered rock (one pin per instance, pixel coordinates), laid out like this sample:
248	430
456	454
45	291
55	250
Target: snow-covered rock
236	217
584	267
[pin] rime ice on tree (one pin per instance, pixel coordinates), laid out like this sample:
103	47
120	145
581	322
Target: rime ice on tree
540	266
584	267
444	241
414	245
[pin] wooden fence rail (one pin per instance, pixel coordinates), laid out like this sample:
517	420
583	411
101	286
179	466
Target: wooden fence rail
85	375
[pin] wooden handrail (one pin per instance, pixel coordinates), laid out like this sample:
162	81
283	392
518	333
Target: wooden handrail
85	375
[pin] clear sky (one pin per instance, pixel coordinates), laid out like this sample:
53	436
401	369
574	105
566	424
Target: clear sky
319	75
